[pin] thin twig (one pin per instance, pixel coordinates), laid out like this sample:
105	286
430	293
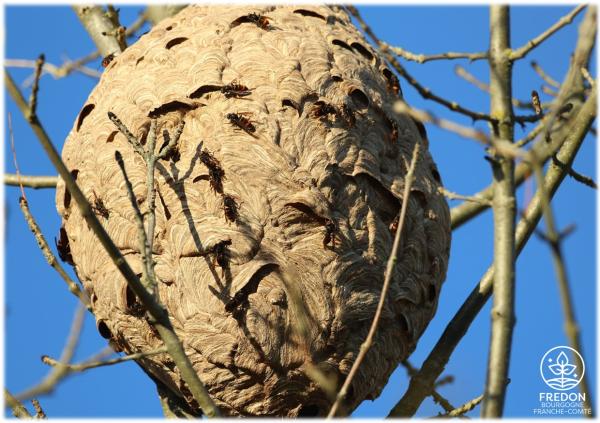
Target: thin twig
554	238
158	315
364	348
30	181
422	58
58	72
585	180
437	359
39	63
504	206
469	77
547	78
465	408
533	43
37	232
49	255
423	91
454	196
18	409
49	383
39	412
464	131
439	399
588	77
549	91
94	364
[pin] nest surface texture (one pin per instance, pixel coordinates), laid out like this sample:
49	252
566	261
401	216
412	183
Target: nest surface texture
276	268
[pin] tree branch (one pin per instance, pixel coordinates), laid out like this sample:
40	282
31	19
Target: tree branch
531	44
48	384
545	77
421	58
101	28
504	206
94	364
434	364
31	181
18	409
572	91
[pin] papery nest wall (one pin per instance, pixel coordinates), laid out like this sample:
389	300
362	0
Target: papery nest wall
313	175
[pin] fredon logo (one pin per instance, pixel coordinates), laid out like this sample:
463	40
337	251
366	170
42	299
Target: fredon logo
562	368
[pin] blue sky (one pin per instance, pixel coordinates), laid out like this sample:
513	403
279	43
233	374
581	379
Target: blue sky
39	309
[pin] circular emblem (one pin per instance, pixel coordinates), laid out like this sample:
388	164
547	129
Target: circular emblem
560	368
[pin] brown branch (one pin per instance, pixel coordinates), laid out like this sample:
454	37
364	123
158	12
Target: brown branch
72	368
545	77
504	206
18	409
422	58
533	43
158	315
48	384
437	359
30	181
364	348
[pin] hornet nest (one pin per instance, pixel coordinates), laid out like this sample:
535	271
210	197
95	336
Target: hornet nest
277	206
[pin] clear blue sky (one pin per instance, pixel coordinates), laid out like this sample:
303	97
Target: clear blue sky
39	309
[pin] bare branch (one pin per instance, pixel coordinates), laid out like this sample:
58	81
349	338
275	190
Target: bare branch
571	91
39	412
59	71
421	58
453	196
531	44
464	131
585	180
159	316
157	13
48	384
437	359
469	77
547	79
101	28
94	364
465	408
31	181
364	348
18	409
504	206
437	398
554	238
588	77
49	255
39	63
